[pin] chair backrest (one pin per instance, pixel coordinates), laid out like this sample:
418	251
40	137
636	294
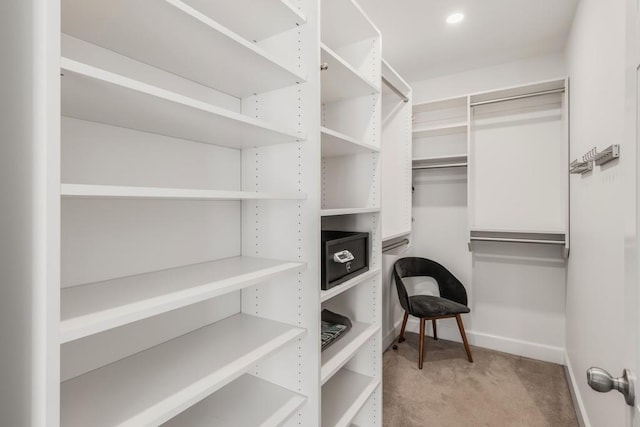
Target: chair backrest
450	287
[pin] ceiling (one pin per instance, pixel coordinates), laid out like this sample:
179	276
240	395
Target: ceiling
419	44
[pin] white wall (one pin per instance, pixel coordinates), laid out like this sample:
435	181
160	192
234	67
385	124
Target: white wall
516	292
595	281
514	73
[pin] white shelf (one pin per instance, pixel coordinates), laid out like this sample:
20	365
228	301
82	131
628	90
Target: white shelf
344	395
253	20
126	192
96	307
340	80
194	46
347	211
89	93
344	22
343	287
423	130
339	353
335	144
153	386
246	402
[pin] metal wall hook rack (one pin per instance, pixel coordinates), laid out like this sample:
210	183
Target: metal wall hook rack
608	154
580	167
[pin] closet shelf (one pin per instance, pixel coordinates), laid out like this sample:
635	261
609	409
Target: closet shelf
96	95
347	211
439	161
250	19
340	15
335	144
194	46
153	386
343	287
97	307
344	395
126	192
339	353
421	130
247	401
341	80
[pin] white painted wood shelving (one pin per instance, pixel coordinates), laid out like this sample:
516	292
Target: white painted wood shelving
351	368
503	138
189	286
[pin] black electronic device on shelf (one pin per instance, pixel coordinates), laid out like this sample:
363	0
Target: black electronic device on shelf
345	254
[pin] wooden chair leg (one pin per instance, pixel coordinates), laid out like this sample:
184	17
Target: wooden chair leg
421	347
404	325
435	331
464	337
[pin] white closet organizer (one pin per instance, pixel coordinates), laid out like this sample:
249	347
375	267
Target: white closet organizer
396	155
189	231
513	146
518	180
440	133
351	368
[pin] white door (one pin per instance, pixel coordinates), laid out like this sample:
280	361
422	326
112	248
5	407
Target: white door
599	379
632	134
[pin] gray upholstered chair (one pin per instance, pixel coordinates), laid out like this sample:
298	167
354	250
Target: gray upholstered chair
452	301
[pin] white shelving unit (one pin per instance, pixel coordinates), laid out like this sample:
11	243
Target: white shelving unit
234	65
351	123
182	372
500	139
271	406
189	244
344	395
131	104
396	145
100	306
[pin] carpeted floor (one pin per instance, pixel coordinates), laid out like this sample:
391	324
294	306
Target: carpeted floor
497	390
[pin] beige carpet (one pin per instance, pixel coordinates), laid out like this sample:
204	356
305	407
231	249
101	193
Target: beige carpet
497	390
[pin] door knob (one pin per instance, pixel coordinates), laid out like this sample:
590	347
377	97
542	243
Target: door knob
602	381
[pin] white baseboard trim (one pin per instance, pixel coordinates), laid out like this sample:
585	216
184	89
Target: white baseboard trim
529	349
578	403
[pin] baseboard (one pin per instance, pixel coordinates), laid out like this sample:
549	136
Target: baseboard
529	349
578	404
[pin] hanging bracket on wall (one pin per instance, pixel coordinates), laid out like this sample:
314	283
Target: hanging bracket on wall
580	167
610	153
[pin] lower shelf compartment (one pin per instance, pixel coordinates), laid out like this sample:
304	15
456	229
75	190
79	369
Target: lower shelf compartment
340	352
246	402
344	395
153	386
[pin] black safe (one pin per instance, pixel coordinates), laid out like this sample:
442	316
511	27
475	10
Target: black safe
345	254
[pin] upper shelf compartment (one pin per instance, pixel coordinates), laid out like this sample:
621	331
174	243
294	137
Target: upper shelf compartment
340	80
92	94
175	37
344	23
253	20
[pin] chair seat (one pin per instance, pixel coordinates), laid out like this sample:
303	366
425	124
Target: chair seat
432	306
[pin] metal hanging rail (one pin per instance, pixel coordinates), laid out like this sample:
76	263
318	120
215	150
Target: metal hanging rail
504	239
449	165
526	95
395	89
395	245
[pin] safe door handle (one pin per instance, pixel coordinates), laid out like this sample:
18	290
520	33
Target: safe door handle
343	257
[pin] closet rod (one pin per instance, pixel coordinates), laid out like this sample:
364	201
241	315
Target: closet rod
502	239
395	245
509	98
451	165
395	89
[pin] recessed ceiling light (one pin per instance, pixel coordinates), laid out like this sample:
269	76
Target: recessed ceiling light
454	18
